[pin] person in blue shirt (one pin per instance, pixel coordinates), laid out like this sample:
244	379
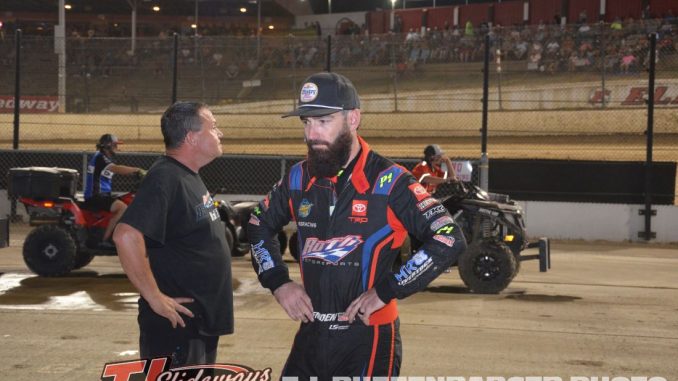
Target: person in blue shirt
100	171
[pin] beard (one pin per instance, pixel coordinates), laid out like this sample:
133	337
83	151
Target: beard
327	162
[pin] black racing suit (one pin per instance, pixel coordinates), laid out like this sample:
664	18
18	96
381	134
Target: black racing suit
348	241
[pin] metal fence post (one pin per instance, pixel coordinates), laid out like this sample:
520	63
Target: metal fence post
175	52
394	64
328	64
648	234
17	89
283	167
84	170
484	162
294	73
603	47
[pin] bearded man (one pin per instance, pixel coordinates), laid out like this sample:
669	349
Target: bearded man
353	210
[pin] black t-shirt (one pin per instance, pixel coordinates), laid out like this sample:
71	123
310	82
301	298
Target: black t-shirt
186	245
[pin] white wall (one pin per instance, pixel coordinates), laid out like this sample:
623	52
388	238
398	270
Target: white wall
590	221
556	220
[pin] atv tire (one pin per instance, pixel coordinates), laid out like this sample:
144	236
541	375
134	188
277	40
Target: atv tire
229	239
82	259
50	251
487	267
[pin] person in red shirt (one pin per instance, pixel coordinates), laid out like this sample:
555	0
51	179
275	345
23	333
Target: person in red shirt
429	172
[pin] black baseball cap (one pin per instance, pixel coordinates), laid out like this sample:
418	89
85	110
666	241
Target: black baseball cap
108	140
326	93
432	150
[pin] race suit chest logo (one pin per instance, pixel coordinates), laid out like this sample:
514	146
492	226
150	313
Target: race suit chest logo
418	191
358	212
332	250
206	209
440	222
304	208
434	212
427	203
411	270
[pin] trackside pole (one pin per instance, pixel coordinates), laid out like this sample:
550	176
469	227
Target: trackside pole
648	234
174	67
484	162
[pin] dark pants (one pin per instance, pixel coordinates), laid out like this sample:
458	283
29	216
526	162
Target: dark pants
358	351
186	346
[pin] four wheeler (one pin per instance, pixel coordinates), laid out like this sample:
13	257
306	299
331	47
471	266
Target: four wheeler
495	233
68	235
238	214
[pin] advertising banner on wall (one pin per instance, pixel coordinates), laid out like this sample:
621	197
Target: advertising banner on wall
30	104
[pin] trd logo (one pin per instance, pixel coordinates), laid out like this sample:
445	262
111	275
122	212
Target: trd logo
358	220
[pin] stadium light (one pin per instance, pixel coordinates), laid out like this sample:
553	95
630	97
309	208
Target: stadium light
68	6
156	8
392	15
243	10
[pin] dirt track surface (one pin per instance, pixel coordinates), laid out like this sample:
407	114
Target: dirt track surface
603	310
546	147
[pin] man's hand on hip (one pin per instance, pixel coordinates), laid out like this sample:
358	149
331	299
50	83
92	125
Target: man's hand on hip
295	301
364	306
169	308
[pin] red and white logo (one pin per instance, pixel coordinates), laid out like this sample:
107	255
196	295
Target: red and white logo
161	369
449	241
419	191
359	208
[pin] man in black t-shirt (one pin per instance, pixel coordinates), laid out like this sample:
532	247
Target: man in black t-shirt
171	243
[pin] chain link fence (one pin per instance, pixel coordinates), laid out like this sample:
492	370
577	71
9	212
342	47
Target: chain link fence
236	177
573	92
555	92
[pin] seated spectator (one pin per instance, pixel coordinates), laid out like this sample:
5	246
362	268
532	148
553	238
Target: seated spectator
217	58
520	50
468	31
232	71
425	53
616	24
412	36
627	61
552	47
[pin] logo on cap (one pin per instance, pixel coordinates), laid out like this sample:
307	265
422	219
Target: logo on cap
309	92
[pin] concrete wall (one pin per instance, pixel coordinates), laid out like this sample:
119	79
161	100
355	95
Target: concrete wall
588	221
556	220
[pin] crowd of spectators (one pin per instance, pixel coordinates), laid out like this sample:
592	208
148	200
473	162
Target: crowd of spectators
233	52
620	46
